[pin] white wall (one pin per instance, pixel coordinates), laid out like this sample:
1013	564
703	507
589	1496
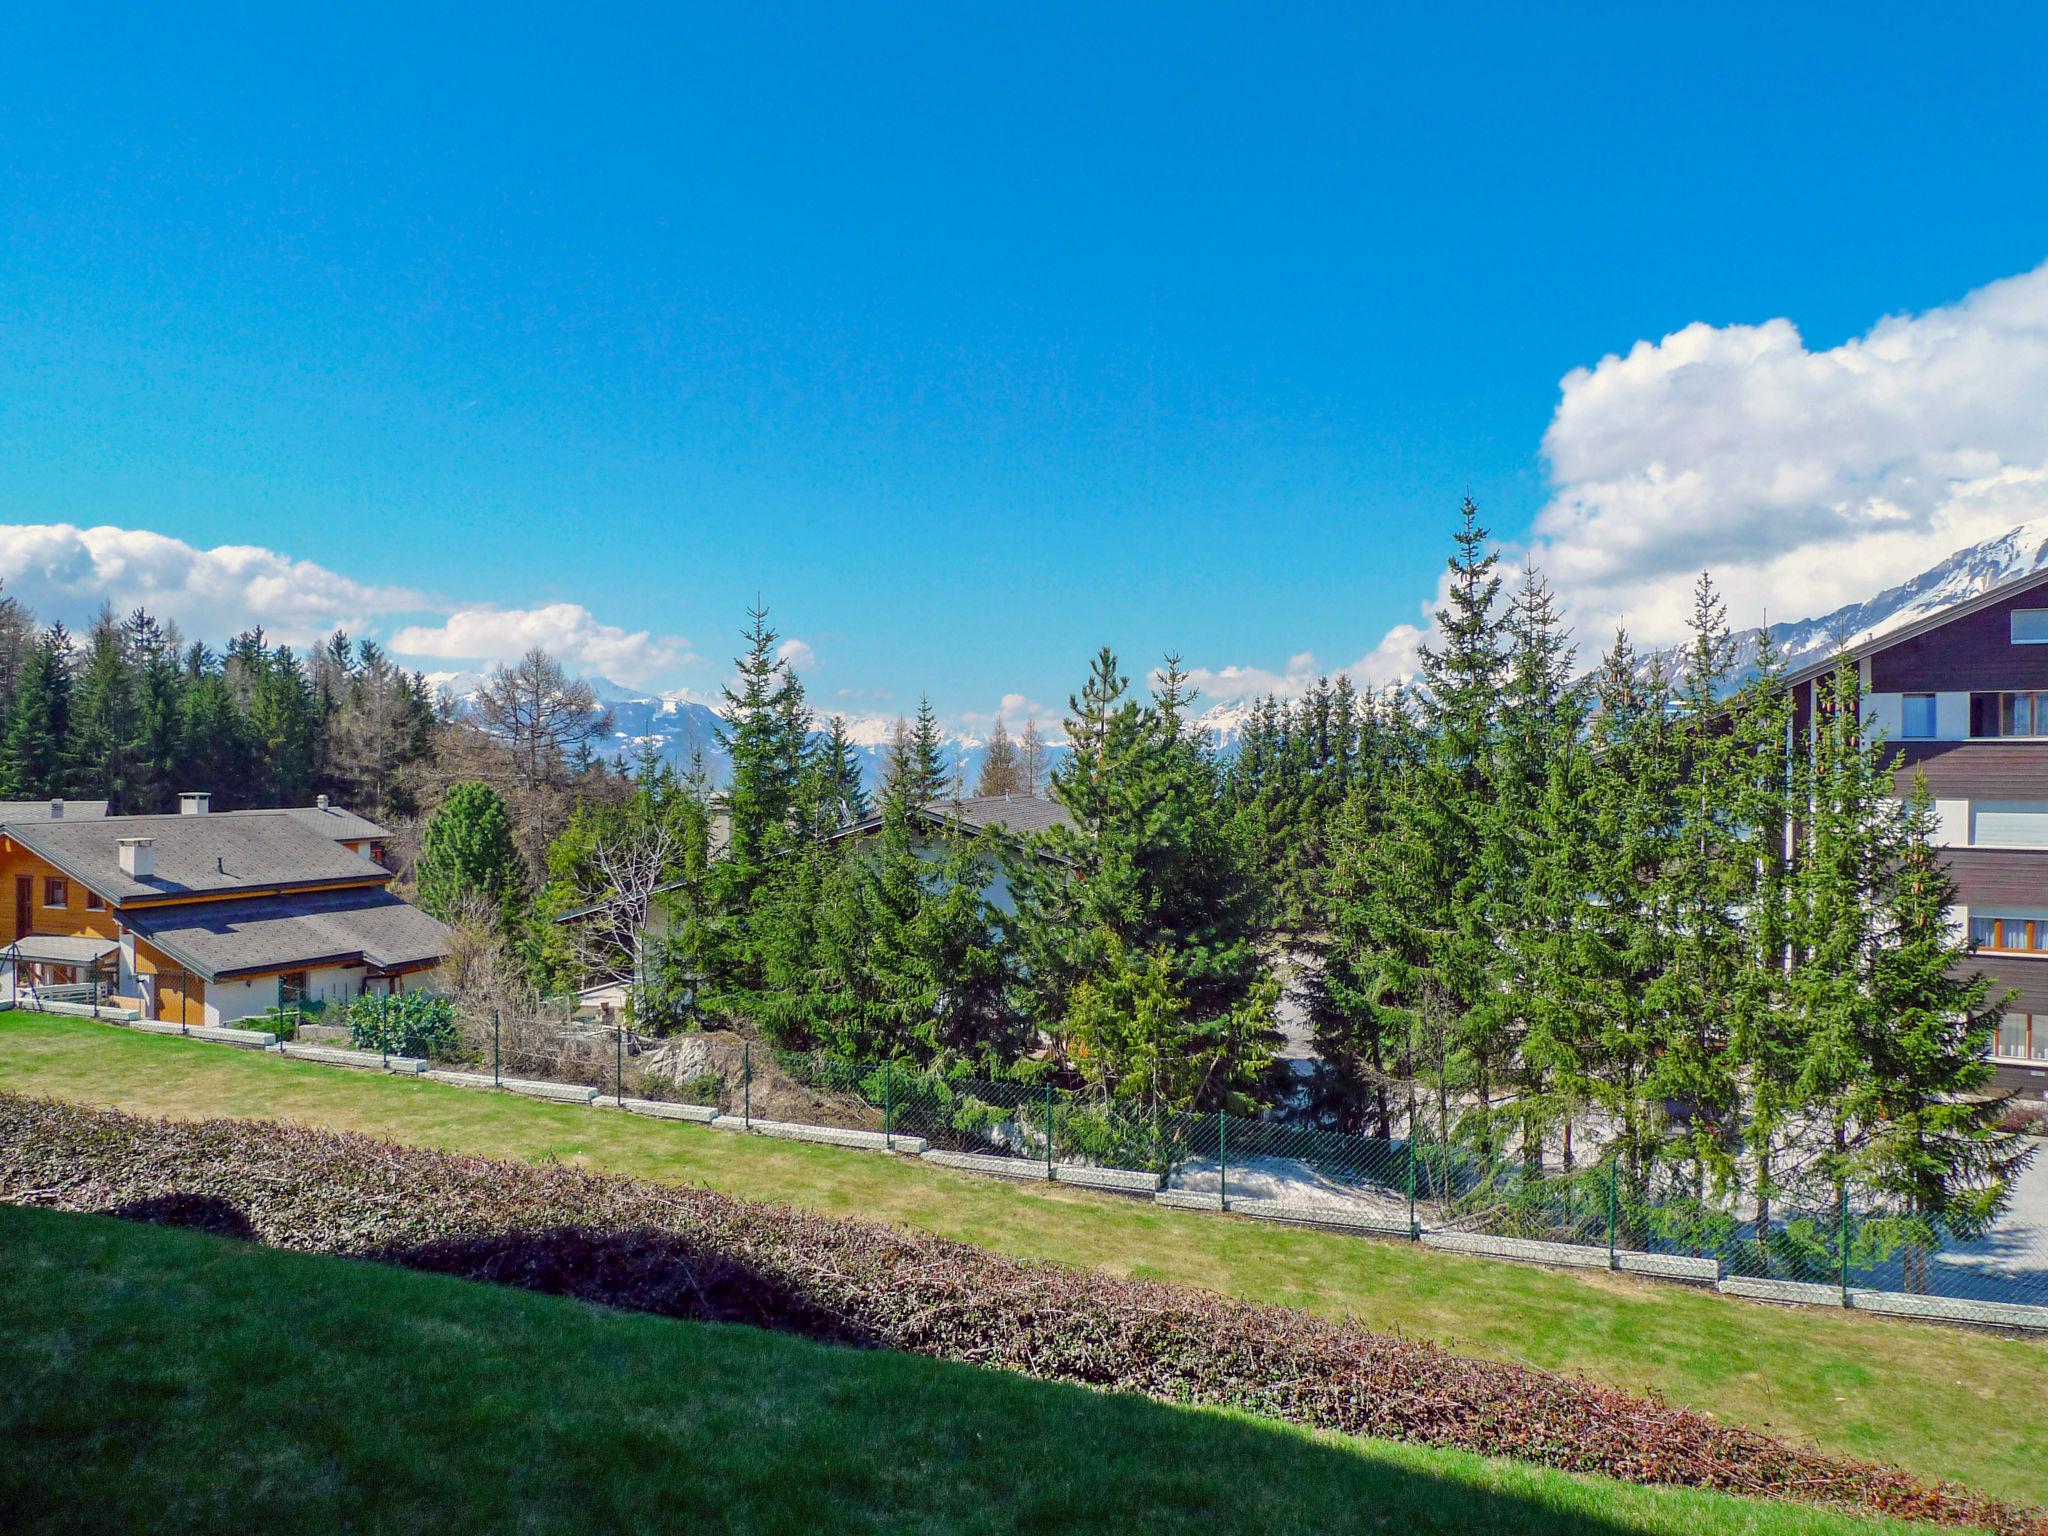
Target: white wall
1954	816
227	1001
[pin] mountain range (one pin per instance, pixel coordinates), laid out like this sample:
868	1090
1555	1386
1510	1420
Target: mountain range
679	725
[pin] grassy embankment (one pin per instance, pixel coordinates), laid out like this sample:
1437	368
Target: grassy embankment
170	1381
1936	1401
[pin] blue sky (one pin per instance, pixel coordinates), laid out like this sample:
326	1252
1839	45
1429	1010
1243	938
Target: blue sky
971	342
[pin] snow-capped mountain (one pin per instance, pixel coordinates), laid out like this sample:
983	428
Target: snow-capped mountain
1963	575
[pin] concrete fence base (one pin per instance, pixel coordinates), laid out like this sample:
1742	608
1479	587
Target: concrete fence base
830	1135
532	1087
661	1109
1950	1309
343	1056
1668	1266
1528	1250
1117	1181
1799	1292
1369	1223
981	1162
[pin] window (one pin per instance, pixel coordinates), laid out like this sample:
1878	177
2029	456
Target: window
56	891
2009	714
2030	626
2009	824
2014	935
1917	716
2022	1037
94	902
291	988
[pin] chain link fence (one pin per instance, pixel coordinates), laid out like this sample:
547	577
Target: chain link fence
1831	1243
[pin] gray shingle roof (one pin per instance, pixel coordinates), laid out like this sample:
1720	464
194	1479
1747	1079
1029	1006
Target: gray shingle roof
330	821
262	933
39	810
196	855
60	948
1019	815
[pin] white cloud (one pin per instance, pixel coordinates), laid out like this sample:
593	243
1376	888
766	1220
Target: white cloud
1391	660
567	630
62	571
1803	479
797	654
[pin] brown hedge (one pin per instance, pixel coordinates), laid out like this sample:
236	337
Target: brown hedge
690	1253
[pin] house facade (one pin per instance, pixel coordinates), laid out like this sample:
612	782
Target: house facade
1963	696
206	918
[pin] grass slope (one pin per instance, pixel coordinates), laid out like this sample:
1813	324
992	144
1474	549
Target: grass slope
1939	1402
171	1381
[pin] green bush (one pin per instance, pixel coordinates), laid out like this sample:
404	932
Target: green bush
407	1024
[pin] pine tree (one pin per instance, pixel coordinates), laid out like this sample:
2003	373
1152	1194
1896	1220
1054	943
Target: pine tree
1032	758
834	761
1624	937
35	756
917	770
1704	885
1934	1152
468	852
158	702
1002	773
105	724
1148	876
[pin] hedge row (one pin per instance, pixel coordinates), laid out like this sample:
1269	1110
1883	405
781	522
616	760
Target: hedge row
693	1254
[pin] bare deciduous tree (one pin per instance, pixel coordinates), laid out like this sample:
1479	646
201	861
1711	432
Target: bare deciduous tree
632	867
540	713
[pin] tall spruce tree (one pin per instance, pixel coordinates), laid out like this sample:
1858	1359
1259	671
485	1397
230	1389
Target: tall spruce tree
1934	1155
1001	772
1147	880
36	755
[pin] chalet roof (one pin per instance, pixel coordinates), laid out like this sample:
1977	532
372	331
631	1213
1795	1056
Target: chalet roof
39	810
60	948
268	933
1016	816
329	820
1884	640
212	855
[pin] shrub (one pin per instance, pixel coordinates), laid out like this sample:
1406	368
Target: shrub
405	1024
692	1253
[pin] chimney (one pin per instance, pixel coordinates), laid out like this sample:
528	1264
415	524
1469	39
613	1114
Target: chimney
320	802
57	809
194	803
138	857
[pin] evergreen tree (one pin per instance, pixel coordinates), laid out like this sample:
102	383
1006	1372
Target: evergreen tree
1703	889
1002	773
105	722
1934	1152
1149	875
846	792
468	851
917	769
35	756
1032	759
157	708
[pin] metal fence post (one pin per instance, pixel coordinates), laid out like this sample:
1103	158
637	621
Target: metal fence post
619	1064
1414	1227
1222	1161
747	1085
1048	1128
184	1001
1613	1194
888	1106
1845	1245
494	1047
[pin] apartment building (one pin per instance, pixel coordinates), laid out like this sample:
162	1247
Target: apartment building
1963	695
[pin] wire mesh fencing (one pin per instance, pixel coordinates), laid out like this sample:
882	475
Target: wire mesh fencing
1666	1221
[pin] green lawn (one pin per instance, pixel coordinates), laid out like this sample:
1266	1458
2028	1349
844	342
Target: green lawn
168	1381
1940	1402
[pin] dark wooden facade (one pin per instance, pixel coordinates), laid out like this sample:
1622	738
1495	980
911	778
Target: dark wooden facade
1974	652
